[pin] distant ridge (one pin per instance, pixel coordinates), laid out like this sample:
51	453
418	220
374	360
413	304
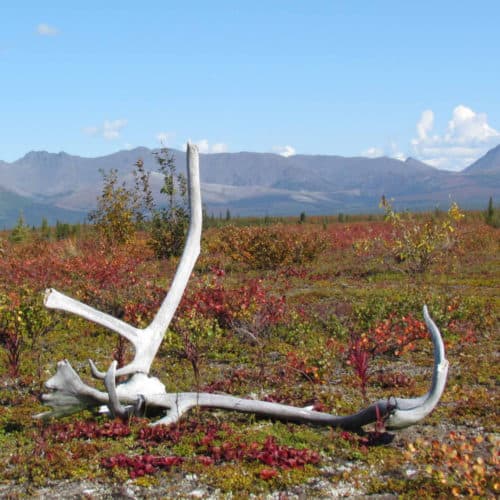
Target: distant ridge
489	163
65	187
13	204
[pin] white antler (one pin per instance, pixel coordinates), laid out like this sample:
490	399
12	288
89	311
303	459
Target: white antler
71	394
147	341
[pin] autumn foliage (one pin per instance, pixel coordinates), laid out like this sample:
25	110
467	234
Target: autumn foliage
292	313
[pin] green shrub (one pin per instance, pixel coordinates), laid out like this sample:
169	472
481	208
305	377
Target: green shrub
169	224
116	214
21	231
492	216
415	242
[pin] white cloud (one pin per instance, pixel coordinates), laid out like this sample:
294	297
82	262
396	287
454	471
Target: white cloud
164	137
205	147
91	130
46	30
285	151
219	147
110	129
396	153
467	137
467	126
373	152
425	124
392	151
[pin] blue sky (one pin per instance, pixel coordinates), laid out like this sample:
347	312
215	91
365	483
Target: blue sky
349	78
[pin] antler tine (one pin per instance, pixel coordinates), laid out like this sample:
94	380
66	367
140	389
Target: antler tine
411	411
116	409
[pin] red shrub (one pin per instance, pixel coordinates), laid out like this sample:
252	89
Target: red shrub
141	465
212	299
395	335
359	359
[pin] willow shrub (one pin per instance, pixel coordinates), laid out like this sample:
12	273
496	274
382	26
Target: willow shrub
267	247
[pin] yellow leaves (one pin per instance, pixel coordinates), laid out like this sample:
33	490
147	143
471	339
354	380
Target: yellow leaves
467	464
494	439
455	213
417	244
262	247
479	467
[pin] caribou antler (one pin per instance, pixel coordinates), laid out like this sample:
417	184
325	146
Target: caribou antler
140	392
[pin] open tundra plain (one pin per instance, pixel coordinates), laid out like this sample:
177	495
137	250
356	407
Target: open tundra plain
324	313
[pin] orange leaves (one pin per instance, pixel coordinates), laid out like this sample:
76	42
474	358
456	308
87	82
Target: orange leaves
267	474
268	247
305	367
395	335
468	466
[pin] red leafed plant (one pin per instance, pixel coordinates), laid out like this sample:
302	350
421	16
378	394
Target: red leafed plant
359	358
141	465
212	299
88	430
269	453
217	443
10	340
267	474
150	436
395	335
303	366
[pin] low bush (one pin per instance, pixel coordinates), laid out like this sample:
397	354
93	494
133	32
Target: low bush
268	247
415	242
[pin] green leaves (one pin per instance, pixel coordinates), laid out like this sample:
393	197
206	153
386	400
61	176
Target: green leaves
116	214
416	243
23	323
122	210
169	224
21	231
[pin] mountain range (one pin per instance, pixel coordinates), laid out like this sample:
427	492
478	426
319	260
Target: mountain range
63	187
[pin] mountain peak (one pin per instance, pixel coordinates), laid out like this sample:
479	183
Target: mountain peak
35	154
489	163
